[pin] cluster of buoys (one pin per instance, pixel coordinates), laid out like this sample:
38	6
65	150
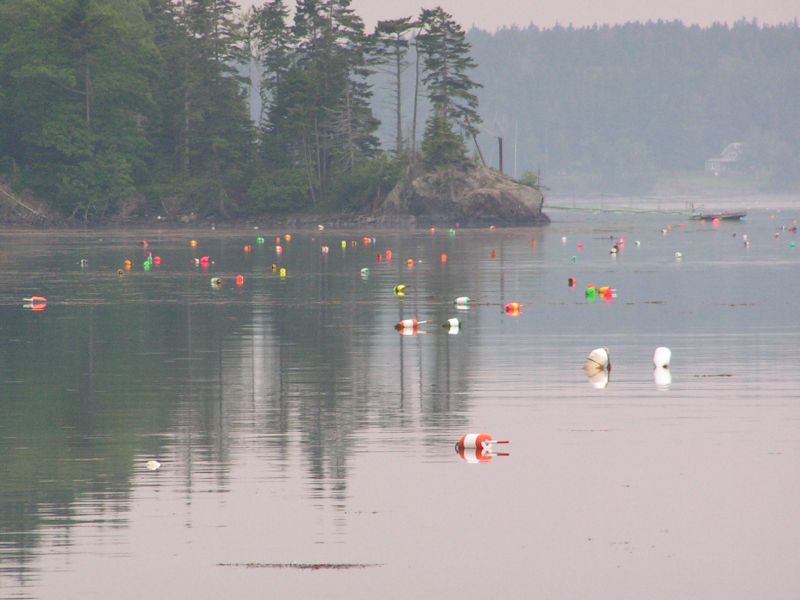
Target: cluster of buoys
597	367
478	448
605	292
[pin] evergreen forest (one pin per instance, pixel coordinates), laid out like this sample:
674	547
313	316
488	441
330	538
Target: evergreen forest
139	107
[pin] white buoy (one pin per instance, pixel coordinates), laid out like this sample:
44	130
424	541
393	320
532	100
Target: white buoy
661	357
662	378
153	465
678	256
564	240
462	301
599	380
638	243
453	323
598	360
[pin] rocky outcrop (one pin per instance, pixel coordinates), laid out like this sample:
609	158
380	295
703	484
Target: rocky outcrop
471	196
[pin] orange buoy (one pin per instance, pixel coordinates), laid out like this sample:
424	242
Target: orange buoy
193	243
444	258
479	441
128	264
410	263
35	303
366	241
409	324
288	237
240	280
513	308
248	248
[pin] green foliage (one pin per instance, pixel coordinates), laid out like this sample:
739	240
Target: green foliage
441	146
279	191
368	182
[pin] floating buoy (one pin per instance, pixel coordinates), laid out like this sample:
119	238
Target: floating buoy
260	241
572	282
573	259
279	250
366	241
365	272
205	261
35	303
216	282
591	292
564	239
444	258
638	243
193	243
120	272
409	324
274	268
664	232
147	265
433	230
513	309
388	256
145	245
494	254
248	248
344	244
400	289
744	237
283	273
598	360
451	232
380	257
288	237
453	323
410	263
320	227
533	243
325	249
462	301
678	256
613	250
492	227
475	448
153	465
716	222
84	263
240	280
128	264
662	377
580	247
353	243
661	357
277	240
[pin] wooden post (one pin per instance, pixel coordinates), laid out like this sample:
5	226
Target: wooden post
500	143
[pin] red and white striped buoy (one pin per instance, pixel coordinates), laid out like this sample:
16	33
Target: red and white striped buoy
478	448
410	324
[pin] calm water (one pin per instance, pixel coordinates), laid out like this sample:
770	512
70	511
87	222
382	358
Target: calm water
295	426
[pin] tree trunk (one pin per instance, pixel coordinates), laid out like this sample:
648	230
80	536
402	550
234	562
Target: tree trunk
416	96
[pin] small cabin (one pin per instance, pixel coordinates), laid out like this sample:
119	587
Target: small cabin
728	161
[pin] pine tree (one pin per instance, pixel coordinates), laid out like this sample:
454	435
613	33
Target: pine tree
391	48
450	89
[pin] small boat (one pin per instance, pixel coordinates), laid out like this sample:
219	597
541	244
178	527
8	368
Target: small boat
710	216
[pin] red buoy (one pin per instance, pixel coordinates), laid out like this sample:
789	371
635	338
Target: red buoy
240	280
478	447
513	308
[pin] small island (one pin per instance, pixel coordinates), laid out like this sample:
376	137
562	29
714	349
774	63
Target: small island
192	112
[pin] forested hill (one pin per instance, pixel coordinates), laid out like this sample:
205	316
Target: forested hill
617	106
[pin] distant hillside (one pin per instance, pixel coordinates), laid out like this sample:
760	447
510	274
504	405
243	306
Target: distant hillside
616	106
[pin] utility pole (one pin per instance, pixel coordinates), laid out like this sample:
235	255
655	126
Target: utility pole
500	145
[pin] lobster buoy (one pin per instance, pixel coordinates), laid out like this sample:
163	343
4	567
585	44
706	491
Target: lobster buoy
240	280
513	308
453	323
288	237
128	264
260	240
597	361
279	250
409	324
478	448
662	377
35	303
205	261
661	357
216	282
325	250
444	258
365	272
157	260
572	282
462	301
153	465
193	243
400	289
388	256
283	273
248	248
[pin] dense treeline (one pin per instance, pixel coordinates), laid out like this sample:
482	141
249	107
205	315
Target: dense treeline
122	105
620	105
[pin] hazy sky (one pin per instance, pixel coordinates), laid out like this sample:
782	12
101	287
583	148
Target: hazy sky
491	14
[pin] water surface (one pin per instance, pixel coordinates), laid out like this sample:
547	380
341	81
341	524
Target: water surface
295	426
